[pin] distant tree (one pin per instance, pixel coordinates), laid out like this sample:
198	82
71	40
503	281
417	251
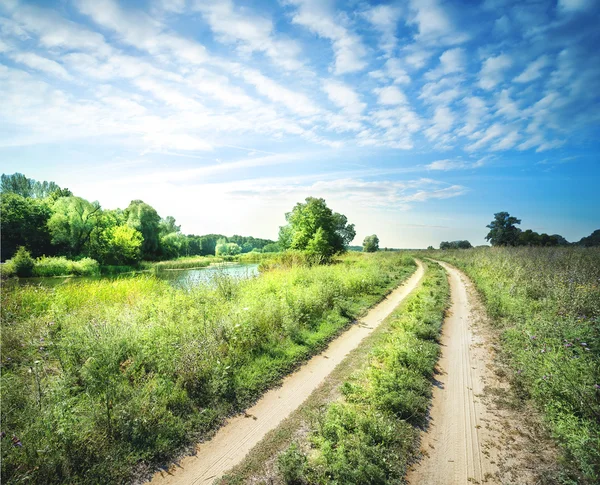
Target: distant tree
430	248
302	231
271	248
18	184
503	230
590	241
225	248
146	220
371	244
463	244
72	223
172	245
168	225
24	222
122	245
247	247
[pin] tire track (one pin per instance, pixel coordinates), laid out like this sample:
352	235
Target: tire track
240	434
451	447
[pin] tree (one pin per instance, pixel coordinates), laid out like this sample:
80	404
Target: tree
503	231
590	241
224	248
72	223
302	231
271	248
371	244
462	244
22	263
17	183
167	226
118	245
430	248
146	220
24	223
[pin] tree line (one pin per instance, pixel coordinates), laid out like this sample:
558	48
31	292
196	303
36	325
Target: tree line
49	221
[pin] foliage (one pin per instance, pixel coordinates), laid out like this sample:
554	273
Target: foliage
224	248
455	245
72	223
371	244
144	218
368	436
21	264
503	231
19	184
98	376
547	303
24	223
315	227
532	238
590	241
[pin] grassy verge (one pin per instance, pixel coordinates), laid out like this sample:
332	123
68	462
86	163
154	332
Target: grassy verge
546	301
368	435
99	378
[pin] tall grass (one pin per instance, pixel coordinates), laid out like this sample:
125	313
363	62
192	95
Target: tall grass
369	434
58	266
547	303
105	377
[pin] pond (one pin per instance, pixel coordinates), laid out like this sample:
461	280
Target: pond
180	278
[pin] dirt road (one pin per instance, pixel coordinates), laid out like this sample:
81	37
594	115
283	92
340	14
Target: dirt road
234	440
453	446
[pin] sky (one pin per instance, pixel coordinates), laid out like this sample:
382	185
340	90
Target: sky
417	119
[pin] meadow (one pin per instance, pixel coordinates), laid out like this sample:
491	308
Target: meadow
370	433
546	303
102	380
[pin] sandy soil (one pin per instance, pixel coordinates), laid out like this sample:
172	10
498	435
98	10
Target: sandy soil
473	436
240	434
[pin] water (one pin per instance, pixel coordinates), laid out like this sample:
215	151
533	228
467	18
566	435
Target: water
188	278
180	278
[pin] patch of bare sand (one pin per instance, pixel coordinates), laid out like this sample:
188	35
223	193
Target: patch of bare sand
475	433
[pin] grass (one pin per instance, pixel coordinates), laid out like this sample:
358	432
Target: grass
369	434
102	380
546	302
57	266
189	262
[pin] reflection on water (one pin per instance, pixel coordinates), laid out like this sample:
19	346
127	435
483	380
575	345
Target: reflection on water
184	278
192	277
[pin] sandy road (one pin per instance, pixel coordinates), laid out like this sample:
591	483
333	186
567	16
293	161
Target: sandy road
234	440
454	446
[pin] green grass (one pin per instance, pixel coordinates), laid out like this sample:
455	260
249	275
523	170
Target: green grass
101	378
57	266
187	262
546	301
369	434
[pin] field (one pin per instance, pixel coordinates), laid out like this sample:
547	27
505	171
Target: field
546	303
370	434
101	379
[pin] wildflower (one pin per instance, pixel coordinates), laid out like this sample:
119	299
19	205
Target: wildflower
16	442
597	386
542	351
568	345
584	344
533	337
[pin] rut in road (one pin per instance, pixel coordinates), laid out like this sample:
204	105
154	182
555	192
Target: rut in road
234	440
454	446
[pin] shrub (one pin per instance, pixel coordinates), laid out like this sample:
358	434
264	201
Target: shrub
291	465
22	263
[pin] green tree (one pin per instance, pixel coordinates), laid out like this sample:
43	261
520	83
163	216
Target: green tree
146	220
17	183
503	230
224	248
22	263
24	222
168	225
371	244
271	248
72	223
119	245
302	231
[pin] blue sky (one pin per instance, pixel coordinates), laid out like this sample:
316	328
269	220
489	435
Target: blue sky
417	119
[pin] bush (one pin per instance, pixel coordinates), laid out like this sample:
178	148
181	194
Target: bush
22	263
291	465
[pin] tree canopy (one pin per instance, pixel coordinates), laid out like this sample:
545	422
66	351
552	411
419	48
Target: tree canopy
503	230
371	244
463	244
314	227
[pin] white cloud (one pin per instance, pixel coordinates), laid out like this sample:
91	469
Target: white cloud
492	71
533	71
40	63
344	97
385	19
451	61
442	122
390	95
445	165
251	32
506	107
347	47
574	5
